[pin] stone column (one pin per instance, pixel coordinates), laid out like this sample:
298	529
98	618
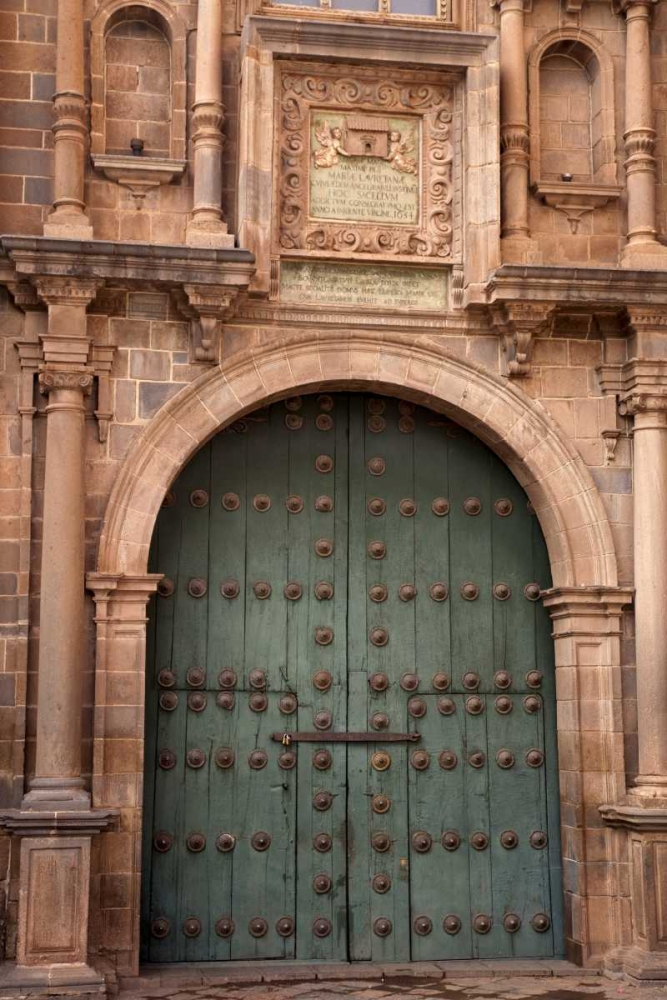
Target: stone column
66	379
70	129
205	227
646	401
640	136
514	134
55	823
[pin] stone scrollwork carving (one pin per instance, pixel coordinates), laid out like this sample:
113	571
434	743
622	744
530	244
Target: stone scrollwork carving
415	131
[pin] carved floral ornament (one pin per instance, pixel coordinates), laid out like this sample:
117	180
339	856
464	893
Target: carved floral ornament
417	145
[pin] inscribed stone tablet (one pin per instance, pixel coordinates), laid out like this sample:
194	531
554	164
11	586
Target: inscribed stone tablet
365	286
364	168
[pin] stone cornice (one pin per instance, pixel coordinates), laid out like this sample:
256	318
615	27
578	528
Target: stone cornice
418	46
584	286
132	263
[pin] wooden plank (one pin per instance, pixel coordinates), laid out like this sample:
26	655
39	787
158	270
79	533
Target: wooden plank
394	658
226	651
440	879
307	658
358	827
263	880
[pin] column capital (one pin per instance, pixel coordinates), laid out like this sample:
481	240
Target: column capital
644	385
588	610
63	290
633	7
74	379
505	6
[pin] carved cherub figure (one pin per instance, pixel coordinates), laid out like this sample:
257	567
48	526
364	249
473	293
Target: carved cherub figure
331	139
398	154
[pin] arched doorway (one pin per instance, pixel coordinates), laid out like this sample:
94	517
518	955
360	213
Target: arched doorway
340	565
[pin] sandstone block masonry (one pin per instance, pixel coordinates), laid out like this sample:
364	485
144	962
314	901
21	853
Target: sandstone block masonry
154	194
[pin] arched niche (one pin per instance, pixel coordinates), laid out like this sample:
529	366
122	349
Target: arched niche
137	65
572	123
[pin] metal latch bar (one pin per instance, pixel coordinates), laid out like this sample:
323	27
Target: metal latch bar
326	737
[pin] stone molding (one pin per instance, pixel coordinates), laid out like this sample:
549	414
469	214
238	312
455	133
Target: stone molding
635	817
134	264
49	823
517	428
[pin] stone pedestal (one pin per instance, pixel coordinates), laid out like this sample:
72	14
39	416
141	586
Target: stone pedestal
54	890
646	960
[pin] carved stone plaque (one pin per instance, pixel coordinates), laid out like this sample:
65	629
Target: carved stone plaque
366	163
364	175
363	285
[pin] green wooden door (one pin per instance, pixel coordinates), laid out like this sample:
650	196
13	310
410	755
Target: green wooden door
337	565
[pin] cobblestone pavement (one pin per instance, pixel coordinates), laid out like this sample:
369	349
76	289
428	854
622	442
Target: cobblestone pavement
408	987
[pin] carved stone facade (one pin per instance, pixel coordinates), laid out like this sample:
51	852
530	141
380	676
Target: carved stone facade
403	200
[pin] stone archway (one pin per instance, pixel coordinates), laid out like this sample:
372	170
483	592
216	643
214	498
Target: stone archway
585	603
517	428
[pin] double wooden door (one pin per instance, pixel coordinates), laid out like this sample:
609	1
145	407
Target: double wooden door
350	738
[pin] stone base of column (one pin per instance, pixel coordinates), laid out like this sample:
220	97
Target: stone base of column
51	980
641	968
520	250
211	235
54	892
644	257
55	794
645	961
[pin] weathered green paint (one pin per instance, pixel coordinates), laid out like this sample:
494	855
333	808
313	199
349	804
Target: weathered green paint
426	459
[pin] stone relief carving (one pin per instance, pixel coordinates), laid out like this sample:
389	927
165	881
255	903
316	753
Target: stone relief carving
366	163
